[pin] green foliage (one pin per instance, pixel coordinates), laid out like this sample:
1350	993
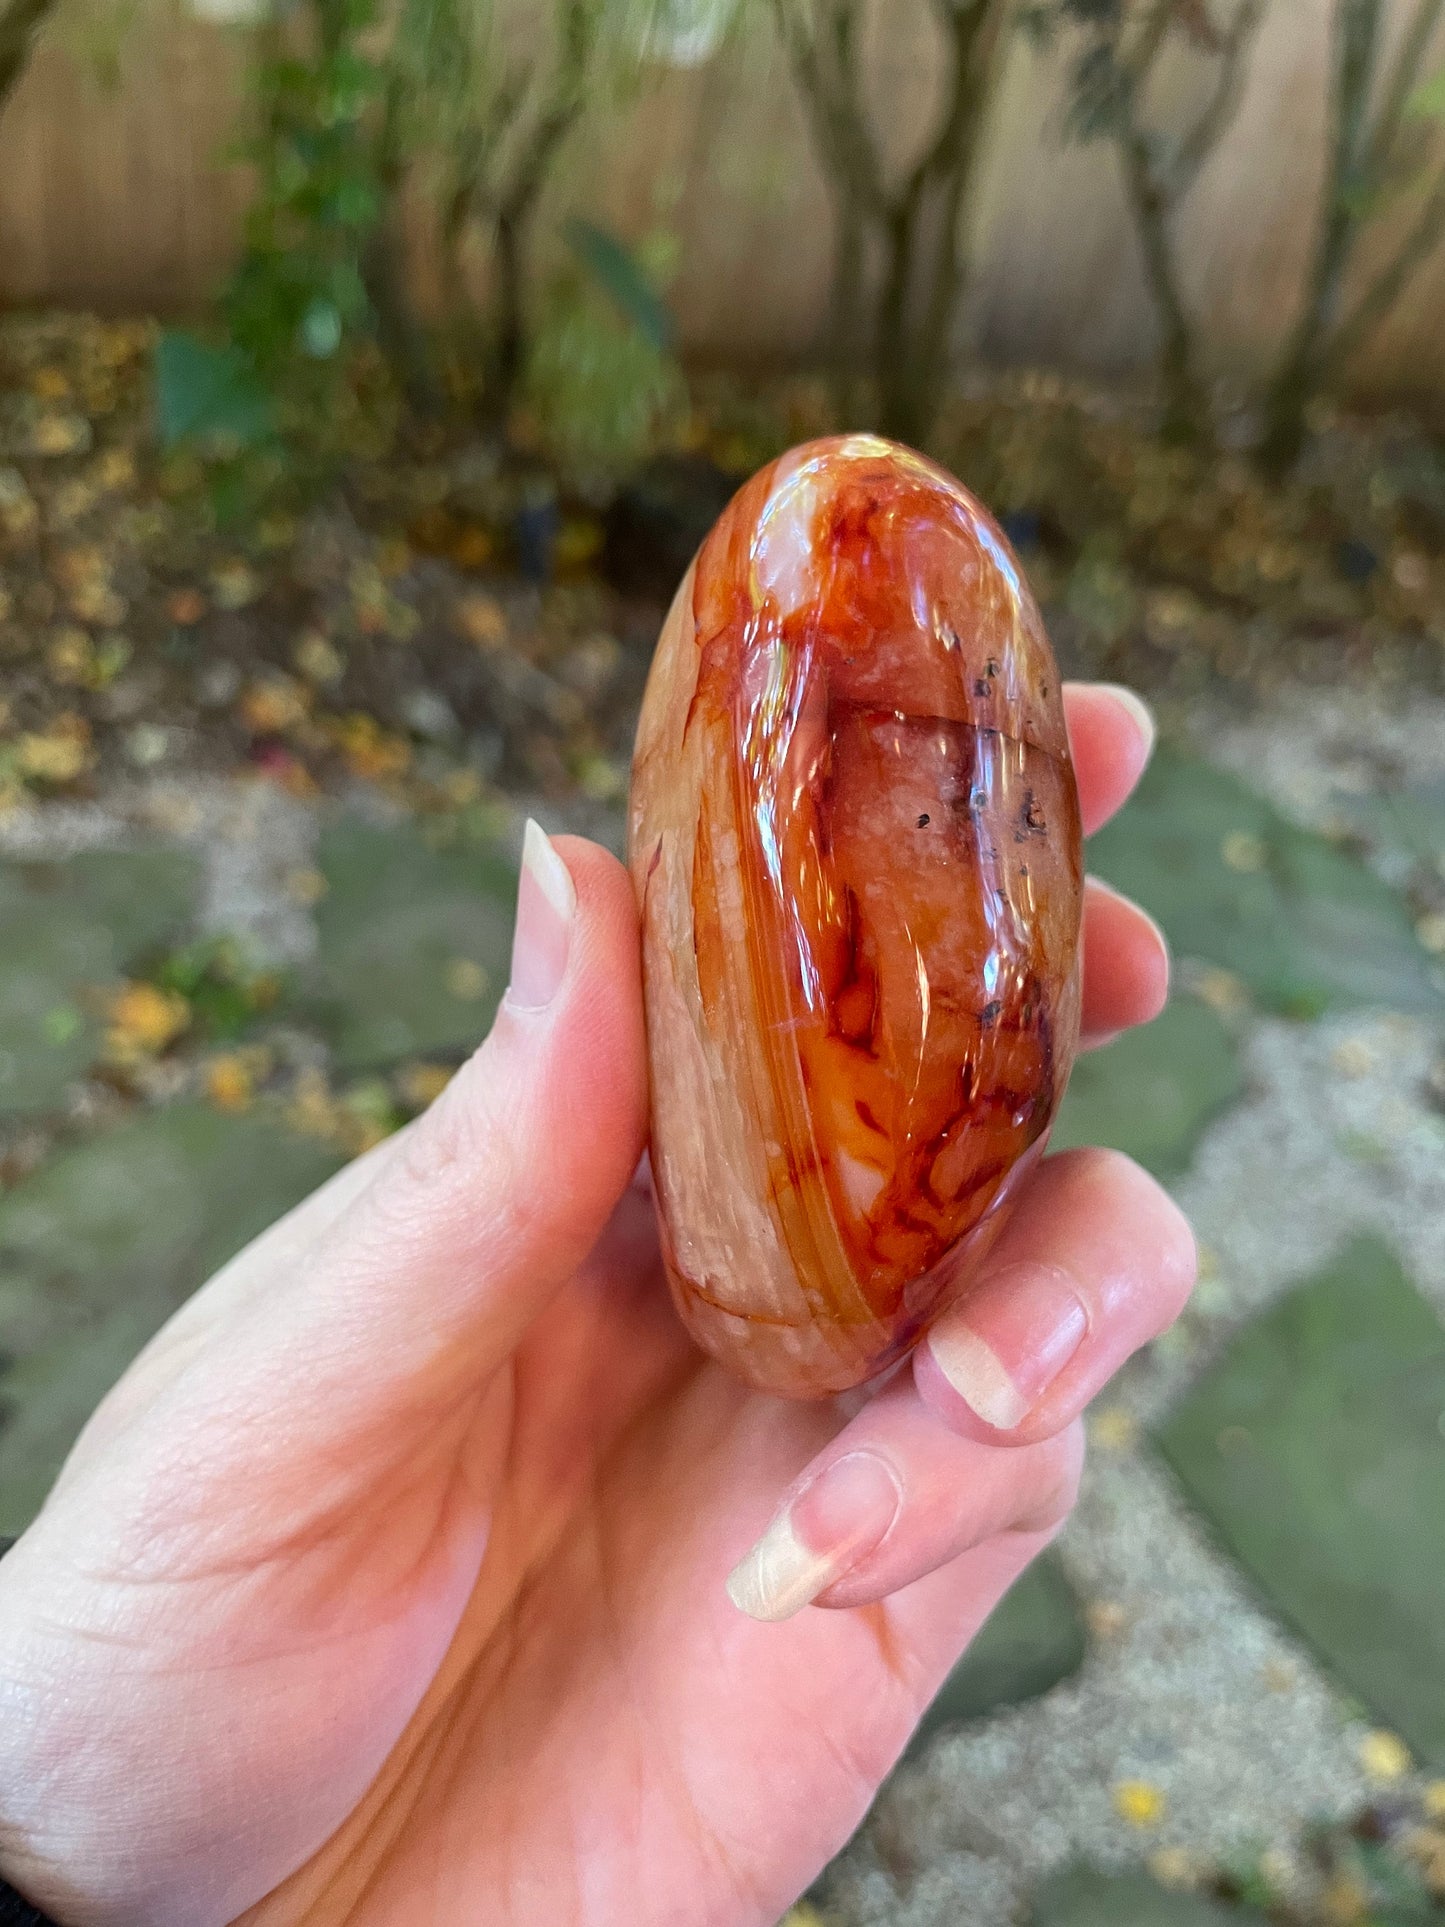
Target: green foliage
209	395
68	927
619	272
1428	100
319	340
223	991
20	23
600	378
276	401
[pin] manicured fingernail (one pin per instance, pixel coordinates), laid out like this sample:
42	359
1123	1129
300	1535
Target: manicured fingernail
545	903
1005	1344
824	1531
1142	714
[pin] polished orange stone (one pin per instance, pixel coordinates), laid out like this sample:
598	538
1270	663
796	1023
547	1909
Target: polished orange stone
855	841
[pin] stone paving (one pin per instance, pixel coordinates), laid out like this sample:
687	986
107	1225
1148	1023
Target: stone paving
212	992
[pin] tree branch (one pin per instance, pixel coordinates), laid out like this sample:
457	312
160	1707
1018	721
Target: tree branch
953	157
1401	83
1391	281
20	22
1201	140
559	115
839	123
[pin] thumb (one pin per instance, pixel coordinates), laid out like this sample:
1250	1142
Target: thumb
494	1196
396	1291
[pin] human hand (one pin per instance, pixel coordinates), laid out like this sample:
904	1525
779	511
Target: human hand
390	1584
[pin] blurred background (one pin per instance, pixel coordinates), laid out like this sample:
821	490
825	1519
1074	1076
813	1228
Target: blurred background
369	370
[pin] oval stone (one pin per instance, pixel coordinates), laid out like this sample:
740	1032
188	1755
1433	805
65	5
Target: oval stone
854	835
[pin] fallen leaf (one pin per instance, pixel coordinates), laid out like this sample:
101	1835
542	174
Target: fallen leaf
229	1084
466	980
482	621
57	755
186	607
60	434
274	705
317	658
422	1084
144	1019
1384	1755
234	584
1139	1802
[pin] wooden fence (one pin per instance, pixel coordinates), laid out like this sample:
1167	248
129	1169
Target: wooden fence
116	197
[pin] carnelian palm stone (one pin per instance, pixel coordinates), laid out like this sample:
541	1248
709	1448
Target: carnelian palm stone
855	842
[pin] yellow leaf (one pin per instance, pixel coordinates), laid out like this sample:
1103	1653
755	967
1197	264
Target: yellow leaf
461	787
466	980
56	755
1113	1429
313	1111
1221	990
60	435
1139	1802
229	1084
272	706
70	657
1107	1618
1346	1900
371	752
144	1019
422	1084
115	469
1384	1755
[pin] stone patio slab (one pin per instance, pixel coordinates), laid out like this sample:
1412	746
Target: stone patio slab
1314	1449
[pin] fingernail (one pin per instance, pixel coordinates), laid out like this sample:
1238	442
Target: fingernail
824	1531
1005	1345
545	903
1141	712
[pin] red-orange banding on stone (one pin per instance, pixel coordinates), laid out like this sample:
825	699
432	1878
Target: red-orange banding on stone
855	840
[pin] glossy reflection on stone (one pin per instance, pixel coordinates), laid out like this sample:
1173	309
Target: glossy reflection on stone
855	840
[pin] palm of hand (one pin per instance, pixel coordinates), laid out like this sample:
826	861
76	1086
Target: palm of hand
600	1676
388	1583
